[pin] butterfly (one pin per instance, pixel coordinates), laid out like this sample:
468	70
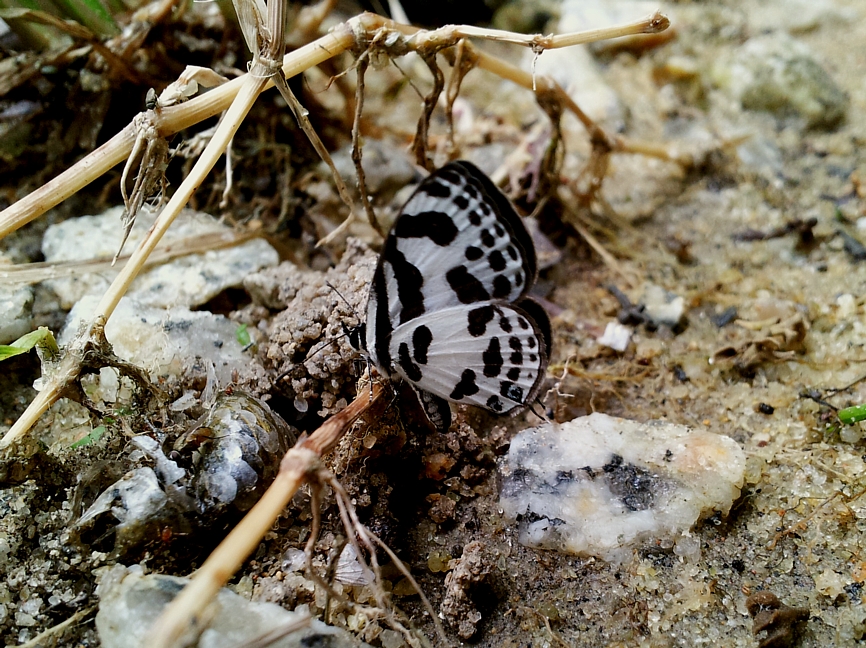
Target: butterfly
448	310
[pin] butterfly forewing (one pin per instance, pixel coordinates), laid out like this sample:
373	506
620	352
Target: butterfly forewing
456	241
492	355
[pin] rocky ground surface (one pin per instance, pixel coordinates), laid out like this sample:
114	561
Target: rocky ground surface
736	283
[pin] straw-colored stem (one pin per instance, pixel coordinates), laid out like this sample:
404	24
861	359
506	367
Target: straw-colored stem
449	34
22	274
226	559
250	88
651	25
169	121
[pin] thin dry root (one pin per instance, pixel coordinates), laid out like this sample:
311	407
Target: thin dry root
351	522
49	636
357	152
300	464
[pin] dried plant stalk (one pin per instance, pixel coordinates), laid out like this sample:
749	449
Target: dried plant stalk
30	273
169	121
300	462
250	86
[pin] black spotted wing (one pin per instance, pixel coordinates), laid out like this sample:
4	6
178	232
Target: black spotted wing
448	310
493	355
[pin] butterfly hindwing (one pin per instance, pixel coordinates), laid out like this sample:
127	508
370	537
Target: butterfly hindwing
492	355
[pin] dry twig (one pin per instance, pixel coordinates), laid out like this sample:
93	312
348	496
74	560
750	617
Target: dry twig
301	463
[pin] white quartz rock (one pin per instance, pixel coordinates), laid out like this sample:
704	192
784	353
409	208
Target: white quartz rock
164	342
129	604
600	485
663	307
15	316
616	336
189	280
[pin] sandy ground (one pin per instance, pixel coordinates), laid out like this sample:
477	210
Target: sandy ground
725	234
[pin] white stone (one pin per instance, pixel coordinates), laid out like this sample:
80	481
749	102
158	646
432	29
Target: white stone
164	342
129	604
15	315
761	155
600	485
831	584
779	74
189	280
615	336
847	306
796	16
662	306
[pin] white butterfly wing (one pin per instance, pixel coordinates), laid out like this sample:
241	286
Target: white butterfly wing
458	241
492	355
465	239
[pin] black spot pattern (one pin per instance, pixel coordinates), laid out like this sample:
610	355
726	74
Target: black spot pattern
409	283
461	201
498	229
504	324
475	218
530	342
518	279
511	391
478	319
437	190
467	287
523	323
492	358
501	287
496	261
412	371
450	175
381	320
516	358
513	373
487	239
473	253
494	404
466	386
421	339
514	343
512	252
436	226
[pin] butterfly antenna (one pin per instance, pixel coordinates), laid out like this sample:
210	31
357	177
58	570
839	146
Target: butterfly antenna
346	333
346	301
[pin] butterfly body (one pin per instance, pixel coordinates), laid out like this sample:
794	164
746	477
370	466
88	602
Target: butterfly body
448	311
